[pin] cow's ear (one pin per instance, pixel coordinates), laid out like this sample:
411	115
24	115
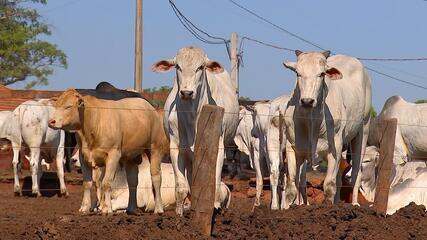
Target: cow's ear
298	52
333	73
326	53
275	121
290	65
214	67
80	103
163	65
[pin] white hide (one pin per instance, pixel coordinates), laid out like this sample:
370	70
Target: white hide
266	146
410	143
10	130
408	181
249	144
340	88
29	123
210	84
145	196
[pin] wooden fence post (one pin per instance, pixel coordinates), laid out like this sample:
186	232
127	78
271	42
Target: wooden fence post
203	184
388	128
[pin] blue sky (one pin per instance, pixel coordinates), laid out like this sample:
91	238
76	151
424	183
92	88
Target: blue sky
98	38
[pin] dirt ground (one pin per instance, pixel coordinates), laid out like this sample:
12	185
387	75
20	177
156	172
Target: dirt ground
57	218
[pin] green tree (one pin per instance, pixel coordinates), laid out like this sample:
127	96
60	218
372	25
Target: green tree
373	112
421	101
243	98
24	56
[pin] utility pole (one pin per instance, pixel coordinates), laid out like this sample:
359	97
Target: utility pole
138	47
234	61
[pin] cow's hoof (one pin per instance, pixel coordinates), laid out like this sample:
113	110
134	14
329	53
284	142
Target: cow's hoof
356	204
158	210
179	211
36	193
131	212
17	193
106	211
274	206
63	193
84	210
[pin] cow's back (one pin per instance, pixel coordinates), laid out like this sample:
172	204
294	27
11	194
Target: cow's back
127	123
412	123
349	98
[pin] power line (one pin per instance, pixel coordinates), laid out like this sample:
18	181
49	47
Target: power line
395	78
265	44
321	48
197	31
394	59
276	26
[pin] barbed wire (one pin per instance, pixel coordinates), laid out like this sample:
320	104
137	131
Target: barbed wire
412	158
264	185
225	112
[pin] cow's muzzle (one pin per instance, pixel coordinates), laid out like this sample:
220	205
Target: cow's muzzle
186	95
307	102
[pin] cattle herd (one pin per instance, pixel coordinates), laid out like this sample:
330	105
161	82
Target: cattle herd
124	143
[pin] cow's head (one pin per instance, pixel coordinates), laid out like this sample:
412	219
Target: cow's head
67	111
191	65
311	69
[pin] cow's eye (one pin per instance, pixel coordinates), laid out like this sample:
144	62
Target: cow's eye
321	75
200	68
68	107
177	67
298	75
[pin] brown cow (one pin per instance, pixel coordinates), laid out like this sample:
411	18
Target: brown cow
112	132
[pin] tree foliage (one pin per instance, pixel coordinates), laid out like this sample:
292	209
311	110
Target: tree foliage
24	56
421	101
373	112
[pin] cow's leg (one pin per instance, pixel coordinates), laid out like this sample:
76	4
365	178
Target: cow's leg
274	181
259	180
330	183
60	168
111	164
132	179
359	146
98	175
87	184
16	188
180	180
219	163
291	189
302	186
35	170
156	178
283	192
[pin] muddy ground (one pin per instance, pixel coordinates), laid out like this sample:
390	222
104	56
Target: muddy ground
57	218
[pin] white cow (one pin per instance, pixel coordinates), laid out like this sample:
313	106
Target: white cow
29	124
10	130
249	144
145	196
410	143
199	81
408	181
276	143
258	136
329	107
